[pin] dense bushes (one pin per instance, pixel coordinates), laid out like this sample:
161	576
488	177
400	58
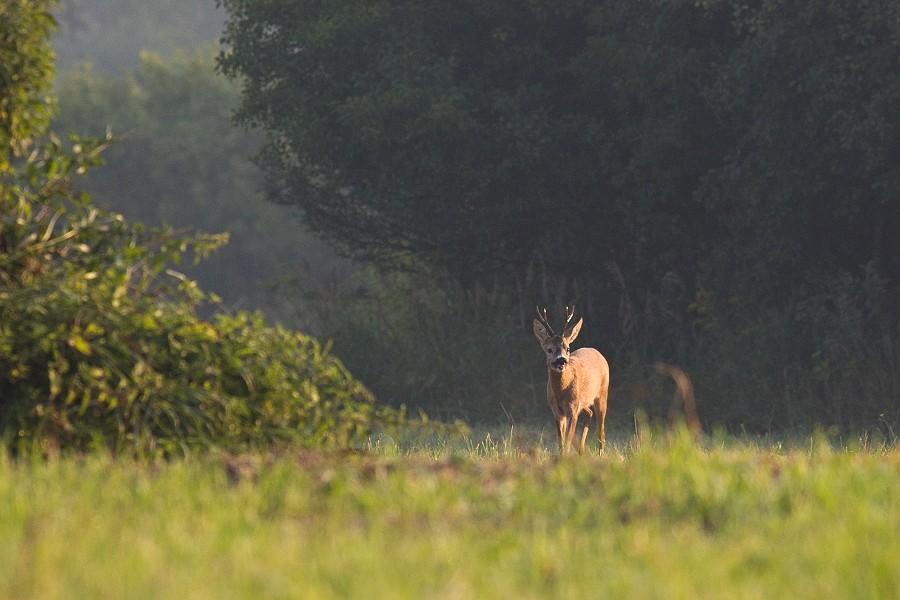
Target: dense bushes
100	343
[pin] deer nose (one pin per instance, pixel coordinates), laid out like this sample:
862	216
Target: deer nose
560	362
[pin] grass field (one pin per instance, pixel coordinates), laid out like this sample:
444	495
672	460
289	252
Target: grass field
494	519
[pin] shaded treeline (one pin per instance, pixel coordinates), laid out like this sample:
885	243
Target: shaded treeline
715	184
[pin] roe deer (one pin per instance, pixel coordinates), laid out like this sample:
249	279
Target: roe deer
577	382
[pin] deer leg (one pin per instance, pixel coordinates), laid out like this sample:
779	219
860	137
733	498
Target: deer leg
601	424
570	435
584	429
561	426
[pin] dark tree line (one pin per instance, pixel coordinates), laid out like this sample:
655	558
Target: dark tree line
719	181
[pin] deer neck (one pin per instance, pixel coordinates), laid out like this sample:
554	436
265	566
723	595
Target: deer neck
561	381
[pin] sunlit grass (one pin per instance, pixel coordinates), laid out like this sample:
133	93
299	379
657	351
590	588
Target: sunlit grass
498	515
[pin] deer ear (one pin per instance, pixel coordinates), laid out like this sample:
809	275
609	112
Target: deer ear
573	332
540	332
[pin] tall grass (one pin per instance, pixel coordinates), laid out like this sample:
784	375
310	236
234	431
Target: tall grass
489	518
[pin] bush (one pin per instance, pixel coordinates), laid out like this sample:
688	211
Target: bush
101	345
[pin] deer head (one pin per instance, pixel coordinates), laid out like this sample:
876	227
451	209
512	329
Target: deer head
556	347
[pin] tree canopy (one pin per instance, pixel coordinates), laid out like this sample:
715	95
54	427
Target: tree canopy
26	68
479	135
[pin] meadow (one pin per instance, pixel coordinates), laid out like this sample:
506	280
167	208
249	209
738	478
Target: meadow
485	517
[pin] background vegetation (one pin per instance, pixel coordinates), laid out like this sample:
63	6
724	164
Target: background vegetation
711	183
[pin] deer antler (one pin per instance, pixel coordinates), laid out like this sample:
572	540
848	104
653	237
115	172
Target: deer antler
543	319
570	312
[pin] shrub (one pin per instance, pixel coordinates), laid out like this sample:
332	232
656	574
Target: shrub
101	344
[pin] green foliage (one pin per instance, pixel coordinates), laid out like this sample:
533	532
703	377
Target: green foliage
430	133
26	68
668	520
696	175
101	345
809	183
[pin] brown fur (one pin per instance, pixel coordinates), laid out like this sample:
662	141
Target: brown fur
581	387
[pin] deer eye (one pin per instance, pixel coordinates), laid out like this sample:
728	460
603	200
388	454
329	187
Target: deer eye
549	350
